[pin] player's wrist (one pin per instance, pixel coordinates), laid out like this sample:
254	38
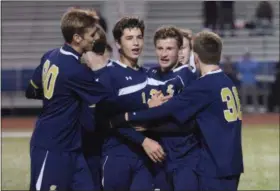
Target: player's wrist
145	141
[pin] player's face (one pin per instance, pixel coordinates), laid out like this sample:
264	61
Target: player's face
131	43
197	62
88	38
167	52
184	54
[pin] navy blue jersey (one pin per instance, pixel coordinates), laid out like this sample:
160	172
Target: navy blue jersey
174	80
131	88
66	84
128	85
176	144
213	100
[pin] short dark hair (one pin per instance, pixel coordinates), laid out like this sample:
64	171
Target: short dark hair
127	22
208	46
109	48
169	32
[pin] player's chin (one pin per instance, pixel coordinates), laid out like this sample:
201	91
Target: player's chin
134	56
182	59
165	65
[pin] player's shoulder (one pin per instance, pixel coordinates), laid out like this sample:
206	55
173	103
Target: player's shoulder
47	54
213	80
113	67
153	71
184	72
183	69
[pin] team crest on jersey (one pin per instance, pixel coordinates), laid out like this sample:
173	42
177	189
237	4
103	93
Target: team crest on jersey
53	188
170	89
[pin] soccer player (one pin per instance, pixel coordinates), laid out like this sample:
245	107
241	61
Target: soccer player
91	133
186	54
57	160
123	149
214	103
181	147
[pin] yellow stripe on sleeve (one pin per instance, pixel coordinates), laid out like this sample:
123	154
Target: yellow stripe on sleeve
33	84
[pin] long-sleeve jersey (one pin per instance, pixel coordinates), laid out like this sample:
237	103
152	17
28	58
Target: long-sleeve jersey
176	144
63	84
213	101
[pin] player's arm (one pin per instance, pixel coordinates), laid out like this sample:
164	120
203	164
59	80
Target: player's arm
181	107
132	135
87	118
35	86
35	89
169	124
114	103
86	86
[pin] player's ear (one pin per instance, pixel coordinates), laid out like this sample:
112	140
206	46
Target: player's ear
118	45
77	38
196	59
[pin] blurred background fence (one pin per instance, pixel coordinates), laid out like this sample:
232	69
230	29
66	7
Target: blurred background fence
31	28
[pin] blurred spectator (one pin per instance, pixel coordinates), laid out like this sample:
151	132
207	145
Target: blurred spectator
264	18
274	96
230	70
247	69
227	16
210	13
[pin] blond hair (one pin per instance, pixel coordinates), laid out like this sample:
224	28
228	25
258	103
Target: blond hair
76	21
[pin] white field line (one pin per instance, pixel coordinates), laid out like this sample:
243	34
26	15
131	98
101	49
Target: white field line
16	134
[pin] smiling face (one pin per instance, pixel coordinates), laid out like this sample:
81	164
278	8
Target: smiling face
131	43
167	52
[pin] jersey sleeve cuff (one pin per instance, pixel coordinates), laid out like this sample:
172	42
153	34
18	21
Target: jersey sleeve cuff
139	139
33	84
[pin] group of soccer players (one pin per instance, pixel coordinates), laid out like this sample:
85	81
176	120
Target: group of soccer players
114	125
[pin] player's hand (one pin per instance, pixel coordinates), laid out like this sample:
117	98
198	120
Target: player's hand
95	61
158	100
154	150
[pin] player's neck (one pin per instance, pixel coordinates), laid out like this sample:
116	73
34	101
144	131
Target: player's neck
129	62
170	68
76	48
205	68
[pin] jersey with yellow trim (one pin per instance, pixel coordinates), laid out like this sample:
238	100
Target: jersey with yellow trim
214	102
66	85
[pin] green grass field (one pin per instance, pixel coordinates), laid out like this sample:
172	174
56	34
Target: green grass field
260	150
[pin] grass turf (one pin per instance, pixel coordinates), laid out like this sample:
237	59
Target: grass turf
260	151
